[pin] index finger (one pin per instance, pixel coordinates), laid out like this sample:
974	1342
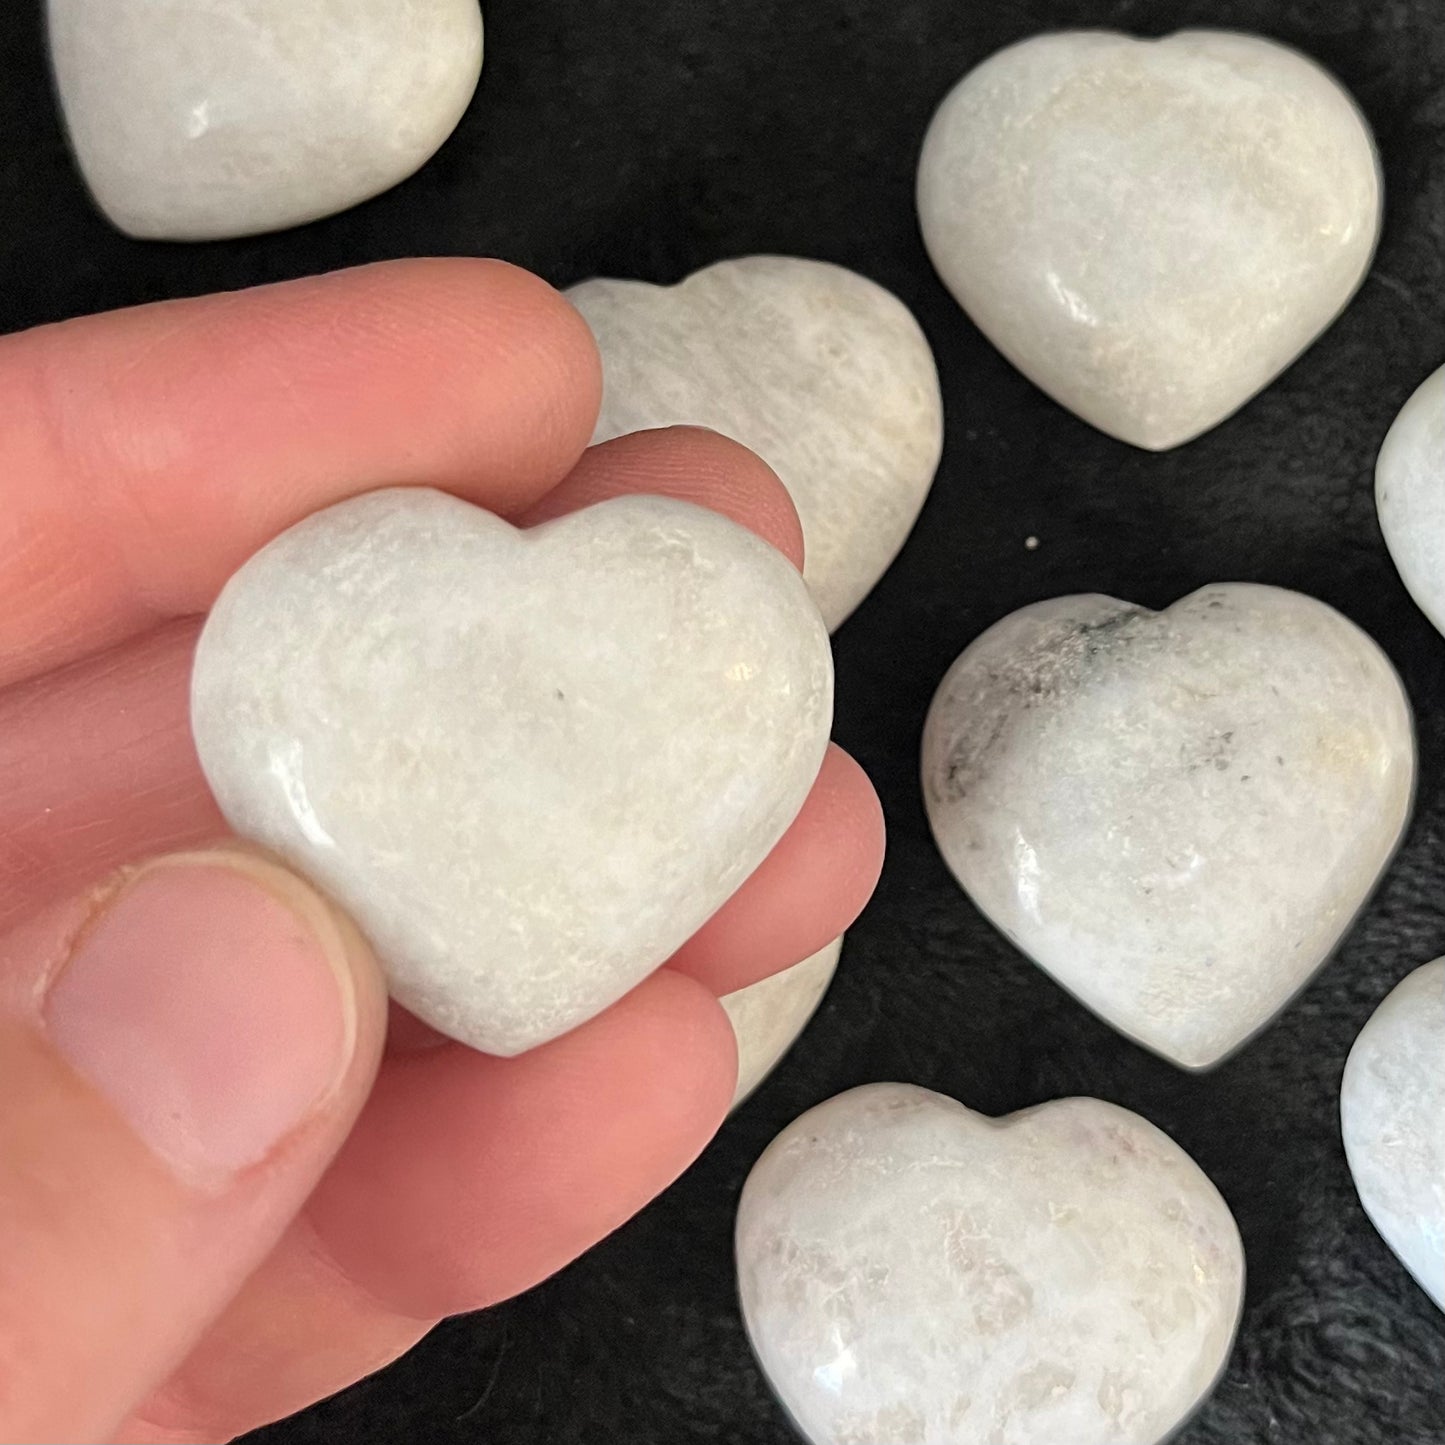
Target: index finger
145	454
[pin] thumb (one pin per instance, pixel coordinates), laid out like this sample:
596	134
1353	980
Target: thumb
181	1053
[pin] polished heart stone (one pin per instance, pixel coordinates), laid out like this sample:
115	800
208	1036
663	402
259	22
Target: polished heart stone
1151	231
821	372
1410	495
1176	814
530	764
1392	1110
768	1016
913	1273
194	120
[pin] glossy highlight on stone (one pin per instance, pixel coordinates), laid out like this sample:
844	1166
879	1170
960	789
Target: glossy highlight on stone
1150	230
530	764
195	120
820	371
1392	1112
1176	814
1410	495
768	1016
911	1271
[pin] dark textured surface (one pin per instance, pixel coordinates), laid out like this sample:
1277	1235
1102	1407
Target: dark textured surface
649	137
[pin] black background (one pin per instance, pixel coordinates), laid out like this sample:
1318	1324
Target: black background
649	137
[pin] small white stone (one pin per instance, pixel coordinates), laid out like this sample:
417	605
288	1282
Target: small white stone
768	1016
821	372
1176	814
1151	231
1392	1109
530	764
913	1273
194	119
1410	495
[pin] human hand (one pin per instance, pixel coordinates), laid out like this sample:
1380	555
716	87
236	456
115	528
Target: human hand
227	1188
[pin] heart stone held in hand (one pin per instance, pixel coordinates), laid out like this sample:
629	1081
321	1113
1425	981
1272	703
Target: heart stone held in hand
198	119
821	372
1392	1108
530	764
1410	495
1151	231
911	1271
1177	814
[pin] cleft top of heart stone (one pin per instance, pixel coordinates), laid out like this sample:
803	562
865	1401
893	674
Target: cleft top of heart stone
530	764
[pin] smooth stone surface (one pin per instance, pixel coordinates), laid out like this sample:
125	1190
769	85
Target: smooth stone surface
194	120
768	1016
1151	231
1176	814
531	764
1410	495
1392	1111
821	372
913	1273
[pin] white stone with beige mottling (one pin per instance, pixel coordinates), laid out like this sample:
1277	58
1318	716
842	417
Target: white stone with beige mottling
820	371
1176	814
530	764
1150	230
914	1273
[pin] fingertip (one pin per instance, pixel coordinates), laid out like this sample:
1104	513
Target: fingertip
691	464
682	1019
183	1049
857	813
225	1009
537	350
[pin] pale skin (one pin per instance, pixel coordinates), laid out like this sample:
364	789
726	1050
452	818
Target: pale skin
143	456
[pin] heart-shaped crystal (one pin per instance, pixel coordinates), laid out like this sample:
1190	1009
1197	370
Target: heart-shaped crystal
530	764
914	1272
194	120
1151	231
1177	814
821	372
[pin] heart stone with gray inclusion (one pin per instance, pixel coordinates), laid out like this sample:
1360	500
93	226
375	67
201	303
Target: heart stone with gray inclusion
1392	1110
198	119
1176	814
820	371
530	764
1150	230
913	1273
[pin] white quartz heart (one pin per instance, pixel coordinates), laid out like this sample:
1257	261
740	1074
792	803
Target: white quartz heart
1392	1109
530	764
196	119
821	372
913	1273
768	1016
1177	814
1150	230
1410	495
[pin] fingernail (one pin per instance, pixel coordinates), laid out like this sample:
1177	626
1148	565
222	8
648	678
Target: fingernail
211	1000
